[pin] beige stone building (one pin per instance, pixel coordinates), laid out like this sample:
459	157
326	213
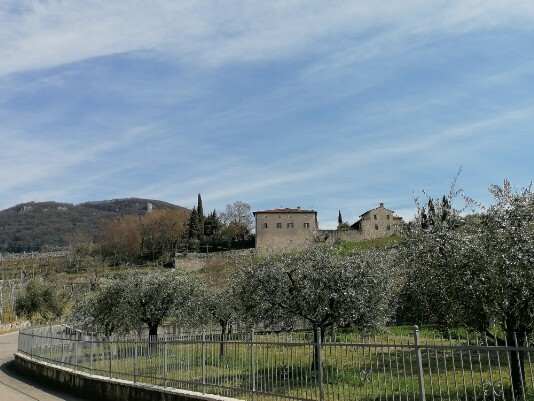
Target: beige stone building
284	230
378	223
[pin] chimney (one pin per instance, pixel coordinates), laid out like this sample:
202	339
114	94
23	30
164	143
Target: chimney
381	204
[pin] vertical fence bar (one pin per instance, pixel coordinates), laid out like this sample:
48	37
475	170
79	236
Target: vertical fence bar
136	366
165	370
320	365
110	355
51	341
41	343
91	356
252	366
519	367
62	340
75	350
203	362
419	361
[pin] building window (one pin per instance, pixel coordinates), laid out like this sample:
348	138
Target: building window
265	225
278	225
306	225
376	226
387	216
388	227
289	225
374	217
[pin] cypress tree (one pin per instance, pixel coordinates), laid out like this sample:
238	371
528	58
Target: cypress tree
200	219
192	224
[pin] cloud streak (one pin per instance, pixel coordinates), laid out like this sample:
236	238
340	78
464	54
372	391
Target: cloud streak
45	34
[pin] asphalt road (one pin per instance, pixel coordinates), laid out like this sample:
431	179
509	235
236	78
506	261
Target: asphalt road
14	387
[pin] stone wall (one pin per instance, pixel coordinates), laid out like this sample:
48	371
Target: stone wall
331	237
15	326
196	261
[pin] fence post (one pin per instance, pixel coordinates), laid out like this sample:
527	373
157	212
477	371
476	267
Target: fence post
419	360
252	366
41	343
136	367
62	346
110	355
165	360
51	340
75	349
320	364
203	362
31	345
91	355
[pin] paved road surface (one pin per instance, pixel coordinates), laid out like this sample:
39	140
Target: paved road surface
14	387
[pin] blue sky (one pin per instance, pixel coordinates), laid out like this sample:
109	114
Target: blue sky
333	105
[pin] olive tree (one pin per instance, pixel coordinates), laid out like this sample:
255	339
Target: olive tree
321	287
156	297
222	308
476	270
139	300
40	298
105	310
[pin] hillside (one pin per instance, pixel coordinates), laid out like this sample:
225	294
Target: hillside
36	226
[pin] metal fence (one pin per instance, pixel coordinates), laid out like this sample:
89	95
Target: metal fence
280	366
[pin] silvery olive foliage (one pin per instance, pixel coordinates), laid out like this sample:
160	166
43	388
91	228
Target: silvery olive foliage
105	310
475	270
40	298
321	287
140	300
221	306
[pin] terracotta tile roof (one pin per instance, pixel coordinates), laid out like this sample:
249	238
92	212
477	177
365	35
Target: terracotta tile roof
285	210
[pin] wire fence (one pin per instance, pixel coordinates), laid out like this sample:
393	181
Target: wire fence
292	366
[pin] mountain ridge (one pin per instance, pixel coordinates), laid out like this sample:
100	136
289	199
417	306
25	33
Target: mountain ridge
37	226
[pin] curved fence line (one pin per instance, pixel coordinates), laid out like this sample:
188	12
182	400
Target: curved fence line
291	366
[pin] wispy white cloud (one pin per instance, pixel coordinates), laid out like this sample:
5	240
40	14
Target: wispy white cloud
43	34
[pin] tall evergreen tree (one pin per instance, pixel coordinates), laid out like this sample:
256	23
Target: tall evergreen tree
212	225
200	220
192	224
339	219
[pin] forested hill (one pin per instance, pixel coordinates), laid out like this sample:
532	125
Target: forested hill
36	226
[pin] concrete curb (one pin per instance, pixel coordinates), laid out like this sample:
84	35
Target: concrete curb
102	388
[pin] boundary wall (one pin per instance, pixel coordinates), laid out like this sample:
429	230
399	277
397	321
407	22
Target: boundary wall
100	388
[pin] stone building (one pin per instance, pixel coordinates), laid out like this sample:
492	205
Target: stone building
284	230
377	223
